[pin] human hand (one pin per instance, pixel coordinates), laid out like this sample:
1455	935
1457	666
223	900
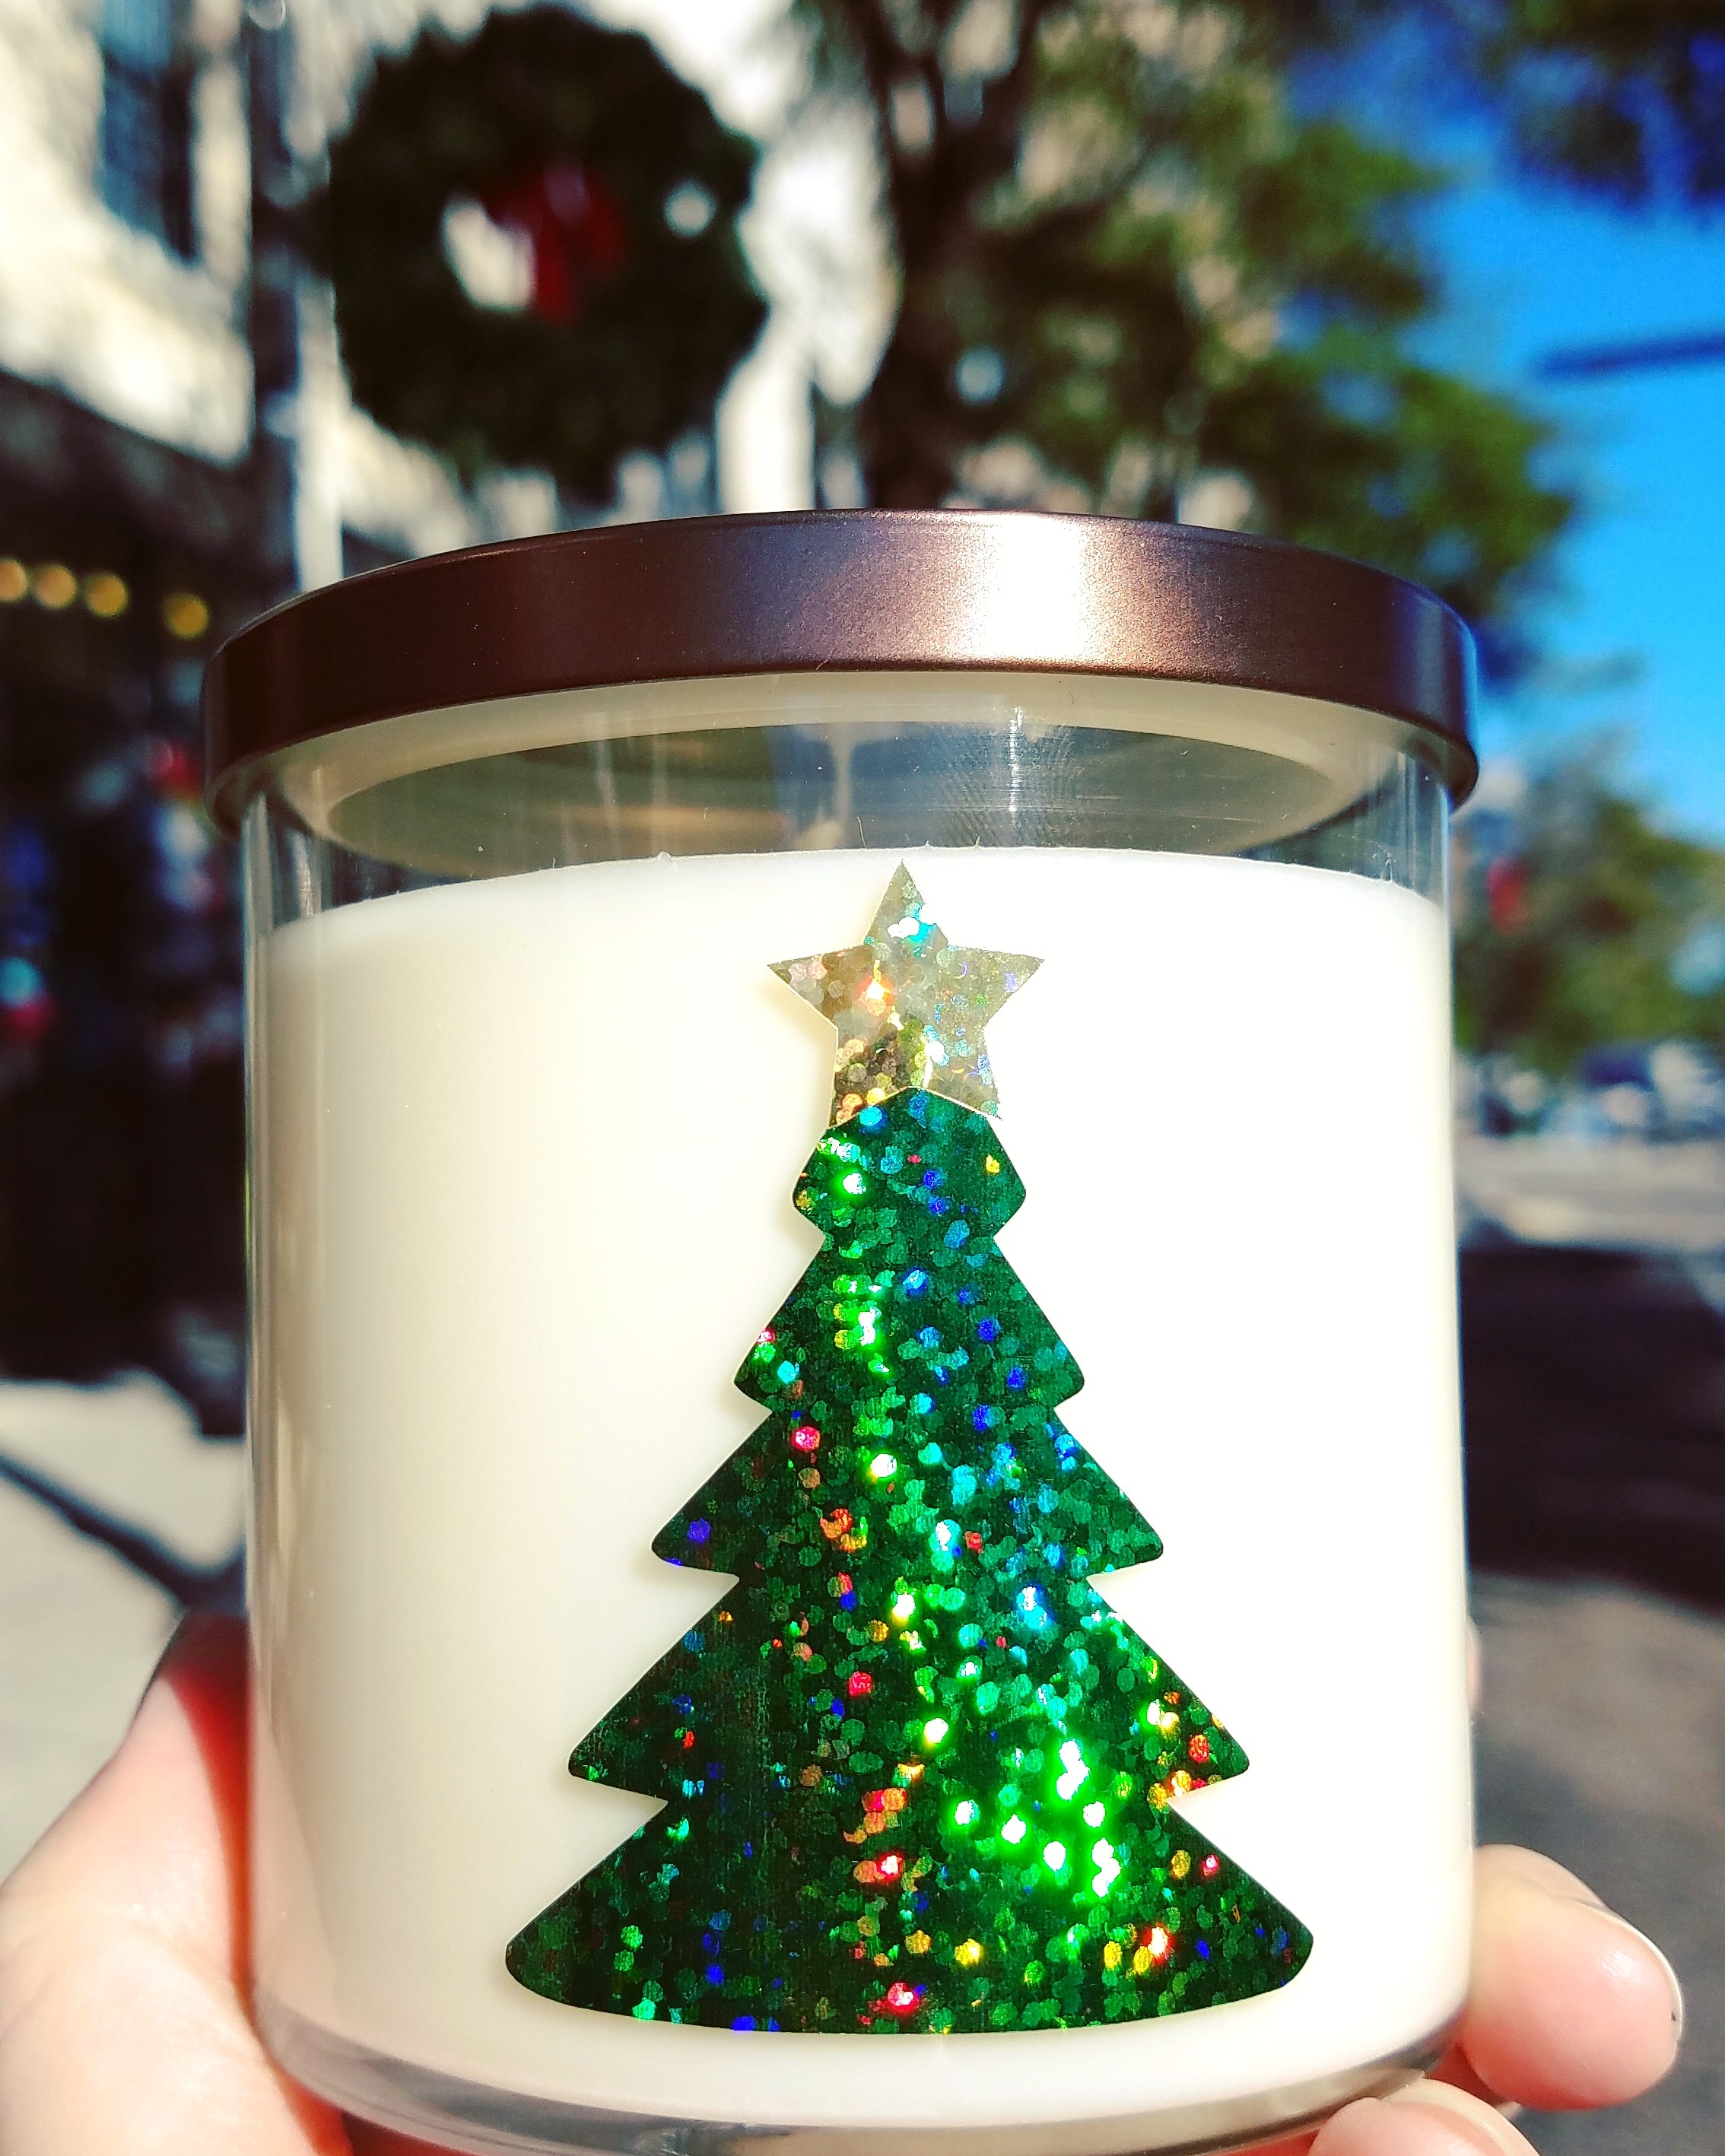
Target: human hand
124	2028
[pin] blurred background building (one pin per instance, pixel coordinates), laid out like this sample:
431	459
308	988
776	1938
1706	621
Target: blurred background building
139	519
178	450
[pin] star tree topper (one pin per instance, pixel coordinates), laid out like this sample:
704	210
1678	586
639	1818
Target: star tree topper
909	1006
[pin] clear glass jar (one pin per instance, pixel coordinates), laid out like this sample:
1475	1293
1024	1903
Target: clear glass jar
1059	1668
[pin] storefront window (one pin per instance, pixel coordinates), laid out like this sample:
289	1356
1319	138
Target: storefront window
147	121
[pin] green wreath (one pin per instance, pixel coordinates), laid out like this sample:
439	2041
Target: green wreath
628	188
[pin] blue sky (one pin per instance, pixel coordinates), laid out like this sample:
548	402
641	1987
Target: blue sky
1639	613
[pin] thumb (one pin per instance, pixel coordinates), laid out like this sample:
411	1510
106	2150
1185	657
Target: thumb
122	1945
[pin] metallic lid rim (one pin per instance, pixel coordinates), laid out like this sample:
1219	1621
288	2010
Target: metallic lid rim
856	591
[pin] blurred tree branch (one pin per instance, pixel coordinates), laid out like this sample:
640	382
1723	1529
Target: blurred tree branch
1136	276
1625	98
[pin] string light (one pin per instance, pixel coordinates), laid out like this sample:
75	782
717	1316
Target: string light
54	586
185	615
105	595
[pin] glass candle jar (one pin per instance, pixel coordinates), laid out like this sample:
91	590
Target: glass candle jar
857	1527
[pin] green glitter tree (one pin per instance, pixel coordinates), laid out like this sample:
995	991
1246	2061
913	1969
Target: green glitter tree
917	1775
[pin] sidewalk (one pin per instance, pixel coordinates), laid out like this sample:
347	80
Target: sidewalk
79	1630
1626	1195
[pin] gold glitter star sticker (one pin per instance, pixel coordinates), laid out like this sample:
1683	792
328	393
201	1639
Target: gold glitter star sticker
909	1007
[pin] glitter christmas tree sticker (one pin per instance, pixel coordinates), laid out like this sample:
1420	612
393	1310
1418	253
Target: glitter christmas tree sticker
917	1775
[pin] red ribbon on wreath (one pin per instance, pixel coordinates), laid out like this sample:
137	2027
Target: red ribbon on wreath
571	220
1507	896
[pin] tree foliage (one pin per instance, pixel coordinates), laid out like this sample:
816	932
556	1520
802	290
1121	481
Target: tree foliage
1625	97
1136	276
1575	937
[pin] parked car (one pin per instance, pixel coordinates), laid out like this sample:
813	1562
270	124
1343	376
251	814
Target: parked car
1665	1089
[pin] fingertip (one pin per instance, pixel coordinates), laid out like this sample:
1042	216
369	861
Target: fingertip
206	1654
197	1687
1424	2119
1374	2128
1572	2007
204	1667
1501	1860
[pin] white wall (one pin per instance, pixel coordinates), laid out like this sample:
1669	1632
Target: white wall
88	305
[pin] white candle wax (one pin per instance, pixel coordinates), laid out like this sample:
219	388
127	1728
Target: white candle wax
526	1151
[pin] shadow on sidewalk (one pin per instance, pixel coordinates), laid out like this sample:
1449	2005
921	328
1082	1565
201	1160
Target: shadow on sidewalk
191	1586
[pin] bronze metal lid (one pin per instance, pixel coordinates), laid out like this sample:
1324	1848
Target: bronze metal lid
859	590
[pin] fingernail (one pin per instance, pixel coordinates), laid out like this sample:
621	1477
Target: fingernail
202	1639
1467	2111
1565	1886
1641	1938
